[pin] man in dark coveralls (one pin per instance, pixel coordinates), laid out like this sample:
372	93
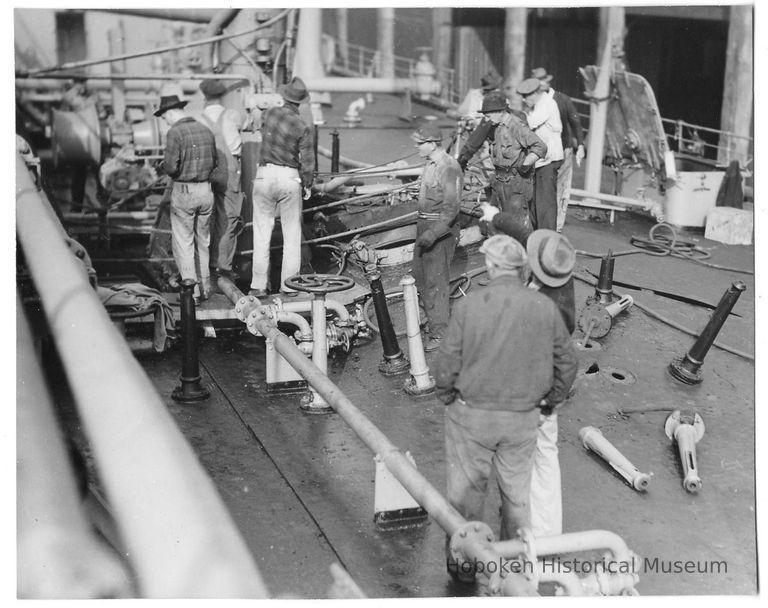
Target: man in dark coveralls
437	229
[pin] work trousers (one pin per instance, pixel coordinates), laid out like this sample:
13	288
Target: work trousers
478	441
546	493
564	179
276	192
431	268
227	226
543	211
191	206
512	193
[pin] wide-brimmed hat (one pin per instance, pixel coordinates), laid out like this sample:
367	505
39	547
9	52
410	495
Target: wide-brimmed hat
427	132
528	86
213	89
494	102
169	102
295	91
490	81
541	74
504	252
551	257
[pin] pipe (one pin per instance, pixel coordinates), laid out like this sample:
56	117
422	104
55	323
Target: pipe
178	532
190	389
74	65
58	555
573	542
592	439
218	22
338	84
317	403
307	61
334	151
568	581
421	381
294	318
604	289
393	362
652	207
687	429
177	14
306	306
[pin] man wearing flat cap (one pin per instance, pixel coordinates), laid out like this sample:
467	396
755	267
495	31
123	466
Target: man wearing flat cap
506	354
283	179
437	229
514	149
189	160
544	120
227	191
573	142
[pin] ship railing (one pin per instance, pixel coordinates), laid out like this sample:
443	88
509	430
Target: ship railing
176	535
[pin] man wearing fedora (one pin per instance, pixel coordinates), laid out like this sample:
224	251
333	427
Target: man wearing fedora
506	355
514	149
227	192
437	230
573	142
469	110
544	120
285	172
189	160
551	258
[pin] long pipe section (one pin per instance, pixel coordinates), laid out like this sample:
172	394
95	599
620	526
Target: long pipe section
573	542
181	539
58	555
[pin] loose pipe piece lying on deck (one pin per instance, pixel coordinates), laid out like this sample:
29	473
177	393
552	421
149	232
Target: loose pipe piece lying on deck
593	439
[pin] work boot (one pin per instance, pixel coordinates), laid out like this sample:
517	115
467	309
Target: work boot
258	293
432	343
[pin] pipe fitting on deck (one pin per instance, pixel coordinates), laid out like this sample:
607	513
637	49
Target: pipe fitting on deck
687	428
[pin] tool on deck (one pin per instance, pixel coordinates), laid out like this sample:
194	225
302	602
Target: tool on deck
592	438
687	428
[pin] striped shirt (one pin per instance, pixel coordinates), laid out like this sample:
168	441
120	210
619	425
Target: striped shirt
287	141
190	151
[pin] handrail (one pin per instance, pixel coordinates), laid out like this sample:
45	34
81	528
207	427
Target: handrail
180	538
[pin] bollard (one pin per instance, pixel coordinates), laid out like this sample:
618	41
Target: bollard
420	382
190	389
592	438
687	369
335	151
394	361
604	288
687	428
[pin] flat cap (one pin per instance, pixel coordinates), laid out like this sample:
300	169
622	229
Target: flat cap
504	252
528	86
213	88
427	132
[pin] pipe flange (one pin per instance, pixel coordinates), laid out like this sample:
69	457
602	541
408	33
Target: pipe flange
472	532
595	315
244	306
619	376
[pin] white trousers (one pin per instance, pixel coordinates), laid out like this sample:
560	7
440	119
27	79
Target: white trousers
546	494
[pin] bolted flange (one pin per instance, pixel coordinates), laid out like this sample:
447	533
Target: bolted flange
394	366
685	370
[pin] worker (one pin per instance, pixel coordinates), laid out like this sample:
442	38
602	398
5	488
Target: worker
189	160
506	356
573	143
469	109
227	192
544	120
282	180
437	230
514	150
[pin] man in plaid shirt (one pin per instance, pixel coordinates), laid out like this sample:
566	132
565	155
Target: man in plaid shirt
190	158
286	171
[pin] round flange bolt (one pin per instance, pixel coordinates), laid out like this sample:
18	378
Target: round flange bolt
318	285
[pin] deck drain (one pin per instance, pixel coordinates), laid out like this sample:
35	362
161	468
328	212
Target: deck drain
579	345
619	376
592	369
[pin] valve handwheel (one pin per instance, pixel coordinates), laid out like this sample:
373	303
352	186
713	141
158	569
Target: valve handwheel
319	283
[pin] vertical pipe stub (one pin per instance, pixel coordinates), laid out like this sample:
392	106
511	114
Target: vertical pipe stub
420	381
687	369
191	389
394	362
687	429
604	288
335	151
314	403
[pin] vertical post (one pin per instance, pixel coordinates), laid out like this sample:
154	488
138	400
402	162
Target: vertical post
386	41
116	38
442	41
316	403
190	389
394	361
604	289
421	381
308	61
316	130
737	114
342	35
515	36
335	151
688	368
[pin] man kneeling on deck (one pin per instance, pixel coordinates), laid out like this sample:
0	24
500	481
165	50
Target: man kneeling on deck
506	355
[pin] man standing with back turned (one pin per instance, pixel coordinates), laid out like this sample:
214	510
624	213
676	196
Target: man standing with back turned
506	354
285	173
190	158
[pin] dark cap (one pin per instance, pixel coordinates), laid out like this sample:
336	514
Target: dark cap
494	102
490	81
169	102
528	86
541	74
504	252
427	132
213	89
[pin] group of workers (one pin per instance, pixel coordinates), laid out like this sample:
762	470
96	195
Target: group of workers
202	158
505	361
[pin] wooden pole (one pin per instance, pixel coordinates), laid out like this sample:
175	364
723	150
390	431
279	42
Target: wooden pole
515	35
737	111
